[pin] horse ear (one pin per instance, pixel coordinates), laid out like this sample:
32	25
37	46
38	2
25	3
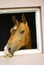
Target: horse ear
14	20
24	19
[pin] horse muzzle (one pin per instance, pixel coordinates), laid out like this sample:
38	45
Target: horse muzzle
11	51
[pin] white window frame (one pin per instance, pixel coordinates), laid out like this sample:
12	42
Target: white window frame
38	29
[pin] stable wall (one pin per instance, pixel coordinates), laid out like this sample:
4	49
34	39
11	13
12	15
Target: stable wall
30	59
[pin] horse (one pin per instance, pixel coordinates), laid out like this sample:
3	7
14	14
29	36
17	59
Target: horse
20	36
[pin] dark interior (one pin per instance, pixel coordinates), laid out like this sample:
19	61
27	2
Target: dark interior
6	24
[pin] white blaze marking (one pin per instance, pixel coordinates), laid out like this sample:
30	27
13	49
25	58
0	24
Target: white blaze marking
6	50
15	27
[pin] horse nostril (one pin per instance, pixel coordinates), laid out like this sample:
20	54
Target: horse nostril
9	49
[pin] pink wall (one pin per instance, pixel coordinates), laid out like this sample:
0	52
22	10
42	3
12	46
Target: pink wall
31	59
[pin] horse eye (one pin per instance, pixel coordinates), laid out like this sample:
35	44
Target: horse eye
22	31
